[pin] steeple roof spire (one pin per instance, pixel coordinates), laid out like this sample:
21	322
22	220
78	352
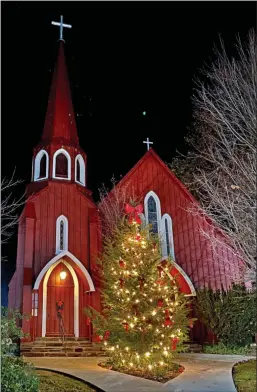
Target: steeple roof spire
60	120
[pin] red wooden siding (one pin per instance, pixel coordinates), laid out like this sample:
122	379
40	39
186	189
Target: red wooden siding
192	252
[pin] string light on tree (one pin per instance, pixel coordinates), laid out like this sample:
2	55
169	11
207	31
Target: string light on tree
141	319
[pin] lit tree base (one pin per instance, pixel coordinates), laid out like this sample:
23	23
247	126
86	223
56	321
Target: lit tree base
162	373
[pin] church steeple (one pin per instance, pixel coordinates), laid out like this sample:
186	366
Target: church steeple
60	123
58	157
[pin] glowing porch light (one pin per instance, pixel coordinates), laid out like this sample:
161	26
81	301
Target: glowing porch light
63	275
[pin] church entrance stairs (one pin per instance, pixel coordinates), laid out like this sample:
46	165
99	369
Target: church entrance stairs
55	347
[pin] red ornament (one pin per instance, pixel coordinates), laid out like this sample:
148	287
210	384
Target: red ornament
121	282
138	237
160	282
126	326
168	322
160	303
98	338
167	313
174	342
121	263
106	335
134	212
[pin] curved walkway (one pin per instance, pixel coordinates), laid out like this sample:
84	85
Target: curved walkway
203	373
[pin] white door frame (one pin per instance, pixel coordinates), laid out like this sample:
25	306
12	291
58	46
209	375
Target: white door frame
76	297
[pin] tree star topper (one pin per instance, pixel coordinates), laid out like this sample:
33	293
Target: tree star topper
148	143
62	25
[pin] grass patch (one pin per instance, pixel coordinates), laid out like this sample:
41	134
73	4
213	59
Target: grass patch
244	374
174	371
54	382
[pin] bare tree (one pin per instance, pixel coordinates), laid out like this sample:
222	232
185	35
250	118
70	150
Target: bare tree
9	207
220	166
112	205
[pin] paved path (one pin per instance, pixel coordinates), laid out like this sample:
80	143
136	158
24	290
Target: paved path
203	373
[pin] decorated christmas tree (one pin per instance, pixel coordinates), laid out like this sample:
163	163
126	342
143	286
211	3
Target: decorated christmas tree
145	317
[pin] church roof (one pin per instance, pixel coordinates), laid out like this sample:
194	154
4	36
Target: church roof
60	122
152	154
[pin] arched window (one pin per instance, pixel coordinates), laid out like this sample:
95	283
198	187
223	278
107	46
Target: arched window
62	165
42	169
80	170
167	237
152	212
41	166
61	234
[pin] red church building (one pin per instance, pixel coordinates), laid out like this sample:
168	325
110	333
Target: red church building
59	235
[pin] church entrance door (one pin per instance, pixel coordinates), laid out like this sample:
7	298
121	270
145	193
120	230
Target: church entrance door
60	302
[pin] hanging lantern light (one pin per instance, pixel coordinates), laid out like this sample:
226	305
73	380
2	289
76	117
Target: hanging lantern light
63	275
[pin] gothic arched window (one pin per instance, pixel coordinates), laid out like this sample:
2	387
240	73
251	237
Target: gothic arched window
152	212
41	166
167	237
62	165
80	170
61	234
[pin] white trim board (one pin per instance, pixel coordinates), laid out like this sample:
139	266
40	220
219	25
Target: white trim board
76	297
58	257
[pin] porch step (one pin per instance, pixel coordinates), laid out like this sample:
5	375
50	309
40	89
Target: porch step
63	354
54	347
193	347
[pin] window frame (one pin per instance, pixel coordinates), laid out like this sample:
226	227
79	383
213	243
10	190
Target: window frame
60	219
64	152
170	235
36	171
158	209
82	165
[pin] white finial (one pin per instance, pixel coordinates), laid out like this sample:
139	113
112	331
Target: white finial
147	142
62	25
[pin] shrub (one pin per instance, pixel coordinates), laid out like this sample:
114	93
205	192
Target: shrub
221	348
231	315
17	375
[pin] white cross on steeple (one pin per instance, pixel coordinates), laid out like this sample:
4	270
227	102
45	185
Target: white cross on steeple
147	142
62	25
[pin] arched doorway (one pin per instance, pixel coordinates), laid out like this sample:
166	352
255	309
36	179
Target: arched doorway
60	290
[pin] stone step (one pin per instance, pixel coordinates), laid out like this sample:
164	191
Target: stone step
59	344
63	354
63	348
194	347
59	338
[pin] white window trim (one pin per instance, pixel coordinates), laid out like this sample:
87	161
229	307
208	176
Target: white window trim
158	208
62	151
82	170
188	280
36	170
163	236
65	239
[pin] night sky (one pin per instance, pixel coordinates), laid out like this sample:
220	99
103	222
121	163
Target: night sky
123	58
